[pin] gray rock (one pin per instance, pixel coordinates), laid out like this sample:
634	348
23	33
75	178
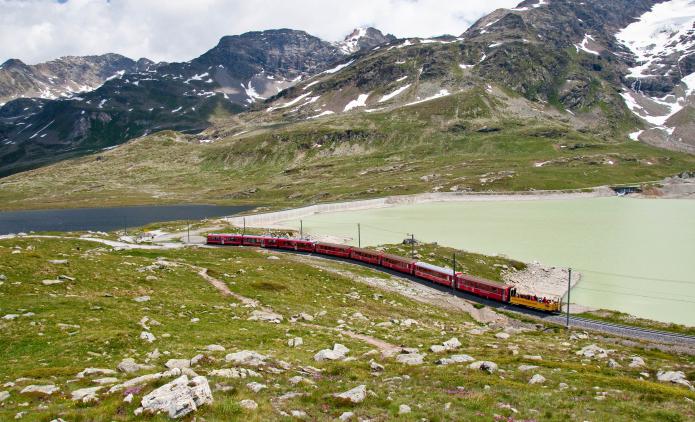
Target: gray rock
246	357
44	390
502	336
178	363
452	344
144	379
636	362
403	409
437	348
487	366
410	358
234	373
537	379
295	342
86	395
52	282
57	261
4	395
455	359
676	377
524	368
87	372
248	404
10	317
300	414
105	380
375	367
613	364
128	365
3	277
179	397
256	386
337	353
141	299
214	348
265	316
346	416
147	336
355	395
593	351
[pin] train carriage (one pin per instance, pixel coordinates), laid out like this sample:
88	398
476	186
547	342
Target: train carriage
296	245
398	263
366	255
439	275
260	241
333	249
485	288
224	239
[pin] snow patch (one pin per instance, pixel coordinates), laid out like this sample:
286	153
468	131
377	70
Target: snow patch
635	135
440	94
291	103
361	101
325	113
584	46
338	68
394	93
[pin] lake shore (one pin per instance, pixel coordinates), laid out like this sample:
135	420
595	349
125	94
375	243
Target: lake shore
275	218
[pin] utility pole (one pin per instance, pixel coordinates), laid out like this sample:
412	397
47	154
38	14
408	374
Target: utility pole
569	286
453	283
301	229
359	236
412	246
243	232
188	230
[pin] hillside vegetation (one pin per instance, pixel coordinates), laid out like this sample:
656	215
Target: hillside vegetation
96	317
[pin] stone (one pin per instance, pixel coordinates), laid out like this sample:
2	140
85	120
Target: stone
537	379
375	367
144	379
179	397
593	351
178	363
454	359
676	377
452	344
265	316
486	366
337	353
86	395
10	317
128	365
295	342
141	299
296	380
273	258
437	348
248	404
197	358
147	336
346	416
613	364
563	386
214	348
234	373
246	357
636	362
3	277
44	390
355	395
524	368
502	336
52	282
4	395
129	398
403	409
57	261
105	380
408	322
410	358
96	371
533	357
300	414
151	278
256	386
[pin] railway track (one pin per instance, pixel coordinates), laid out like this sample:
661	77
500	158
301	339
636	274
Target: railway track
620	330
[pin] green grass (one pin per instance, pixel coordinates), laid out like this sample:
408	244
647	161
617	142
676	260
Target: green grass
101	302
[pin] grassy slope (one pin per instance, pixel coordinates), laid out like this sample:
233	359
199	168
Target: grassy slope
345	157
101	302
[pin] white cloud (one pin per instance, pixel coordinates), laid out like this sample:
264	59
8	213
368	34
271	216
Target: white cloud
176	30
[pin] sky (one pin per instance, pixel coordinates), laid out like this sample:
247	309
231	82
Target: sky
179	30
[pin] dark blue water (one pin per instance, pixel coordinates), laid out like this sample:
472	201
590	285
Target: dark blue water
107	219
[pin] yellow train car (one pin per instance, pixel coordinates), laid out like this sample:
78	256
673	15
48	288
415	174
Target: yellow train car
549	306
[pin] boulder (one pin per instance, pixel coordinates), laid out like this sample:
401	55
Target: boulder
524	368
403	409
128	365
265	316
613	364
10	317
295	342
234	373
144	379
537	379
4	395
454	359
375	367
179	397
86	395
676	377
337	353
214	348
178	363
248	404
246	357
141	299
486	366
636	362
410	358
593	351
105	380
355	395
437	348
256	386
452	344
147	336
96	371
502	336
346	416
42	390
52	282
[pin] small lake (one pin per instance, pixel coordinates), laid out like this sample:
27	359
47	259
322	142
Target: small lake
636	255
107	219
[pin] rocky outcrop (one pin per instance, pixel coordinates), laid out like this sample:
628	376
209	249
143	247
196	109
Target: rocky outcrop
355	395
179	397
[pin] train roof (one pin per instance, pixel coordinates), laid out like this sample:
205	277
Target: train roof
485	281
334	245
367	251
447	271
399	258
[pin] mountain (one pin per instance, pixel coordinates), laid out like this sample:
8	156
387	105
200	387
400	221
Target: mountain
63	77
239	71
363	39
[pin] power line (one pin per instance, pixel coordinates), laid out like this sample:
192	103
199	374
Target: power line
632	294
667	280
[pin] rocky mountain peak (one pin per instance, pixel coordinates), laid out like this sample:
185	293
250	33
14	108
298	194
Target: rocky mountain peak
363	38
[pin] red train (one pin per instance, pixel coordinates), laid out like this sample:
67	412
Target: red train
444	276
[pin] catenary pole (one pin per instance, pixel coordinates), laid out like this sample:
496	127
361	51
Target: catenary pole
569	286
359	236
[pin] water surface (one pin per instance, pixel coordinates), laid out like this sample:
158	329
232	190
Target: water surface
636	255
107	219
